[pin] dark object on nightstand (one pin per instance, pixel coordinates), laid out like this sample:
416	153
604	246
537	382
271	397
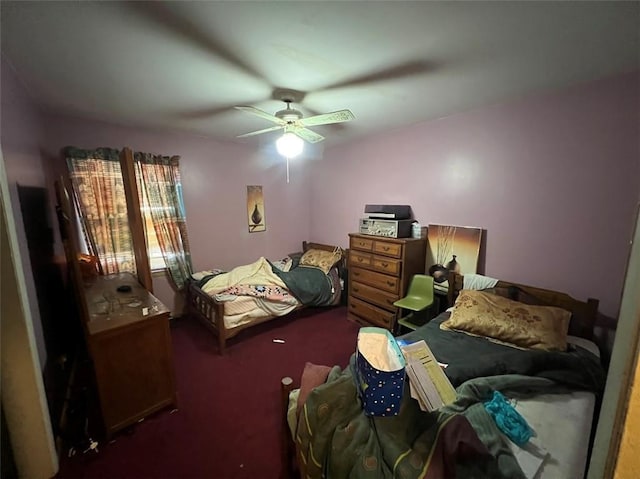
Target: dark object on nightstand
125	288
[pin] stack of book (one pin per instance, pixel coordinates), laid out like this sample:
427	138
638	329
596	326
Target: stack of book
428	383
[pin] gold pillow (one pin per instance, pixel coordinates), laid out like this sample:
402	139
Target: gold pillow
511	322
321	259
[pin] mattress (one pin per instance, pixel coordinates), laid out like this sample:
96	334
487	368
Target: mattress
562	425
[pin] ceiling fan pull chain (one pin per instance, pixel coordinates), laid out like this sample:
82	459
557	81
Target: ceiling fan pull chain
287	169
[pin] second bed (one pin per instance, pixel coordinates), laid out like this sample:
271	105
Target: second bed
555	391
229	302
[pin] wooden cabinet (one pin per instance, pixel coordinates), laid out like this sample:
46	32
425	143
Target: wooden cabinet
380	270
130	346
126	333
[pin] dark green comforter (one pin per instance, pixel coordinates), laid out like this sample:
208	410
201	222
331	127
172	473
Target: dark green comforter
310	286
576	369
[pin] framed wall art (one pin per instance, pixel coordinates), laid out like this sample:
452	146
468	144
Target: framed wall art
452	248
255	209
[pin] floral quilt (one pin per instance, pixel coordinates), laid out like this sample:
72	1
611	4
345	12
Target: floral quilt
264	291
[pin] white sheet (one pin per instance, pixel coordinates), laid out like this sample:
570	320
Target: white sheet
469	281
585	344
478	282
562	423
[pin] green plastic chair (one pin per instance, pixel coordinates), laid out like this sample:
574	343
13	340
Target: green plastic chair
418	298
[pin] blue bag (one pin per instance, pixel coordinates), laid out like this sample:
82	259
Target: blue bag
380	372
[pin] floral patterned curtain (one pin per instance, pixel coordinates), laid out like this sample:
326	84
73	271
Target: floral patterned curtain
99	191
159	184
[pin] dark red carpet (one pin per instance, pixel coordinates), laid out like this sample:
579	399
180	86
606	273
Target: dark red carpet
228	422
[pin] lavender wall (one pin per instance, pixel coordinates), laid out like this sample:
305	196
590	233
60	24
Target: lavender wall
20	137
215	176
21	131
554	179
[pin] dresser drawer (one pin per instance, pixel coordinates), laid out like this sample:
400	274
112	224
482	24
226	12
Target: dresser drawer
386	265
370	313
388	249
378	280
363	244
373	295
359	259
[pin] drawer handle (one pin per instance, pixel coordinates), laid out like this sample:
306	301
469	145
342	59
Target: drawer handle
360	260
355	273
390	283
356	289
385	265
385	248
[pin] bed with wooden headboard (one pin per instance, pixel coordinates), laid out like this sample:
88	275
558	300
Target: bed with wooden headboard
227	315
583	313
555	391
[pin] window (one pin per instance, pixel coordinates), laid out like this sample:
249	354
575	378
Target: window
125	255
154	252
128	203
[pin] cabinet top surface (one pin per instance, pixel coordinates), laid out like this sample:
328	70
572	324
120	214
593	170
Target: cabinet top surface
109	308
385	238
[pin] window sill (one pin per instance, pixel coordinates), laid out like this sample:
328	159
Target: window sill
157	273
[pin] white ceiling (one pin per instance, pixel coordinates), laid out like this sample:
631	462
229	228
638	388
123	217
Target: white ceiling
183	65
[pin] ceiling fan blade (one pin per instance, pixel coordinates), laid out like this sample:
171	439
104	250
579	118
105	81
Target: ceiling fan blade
259	132
328	118
404	70
202	113
173	17
307	135
261	114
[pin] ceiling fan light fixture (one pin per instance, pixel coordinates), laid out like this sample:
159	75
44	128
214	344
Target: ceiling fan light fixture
289	145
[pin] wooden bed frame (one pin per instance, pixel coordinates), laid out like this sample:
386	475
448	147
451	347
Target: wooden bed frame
583	318
211	312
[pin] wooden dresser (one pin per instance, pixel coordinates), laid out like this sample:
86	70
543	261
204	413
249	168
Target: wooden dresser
380	270
130	346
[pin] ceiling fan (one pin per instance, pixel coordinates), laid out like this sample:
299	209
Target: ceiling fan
292	121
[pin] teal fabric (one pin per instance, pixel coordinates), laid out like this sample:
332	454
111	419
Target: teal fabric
508	420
